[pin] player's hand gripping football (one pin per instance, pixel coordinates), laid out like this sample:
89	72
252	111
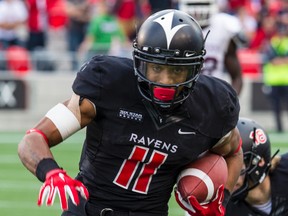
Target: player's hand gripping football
194	208
57	181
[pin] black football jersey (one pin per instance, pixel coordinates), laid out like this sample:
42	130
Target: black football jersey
132	154
279	197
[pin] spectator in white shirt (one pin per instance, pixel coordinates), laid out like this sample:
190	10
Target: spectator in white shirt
13	15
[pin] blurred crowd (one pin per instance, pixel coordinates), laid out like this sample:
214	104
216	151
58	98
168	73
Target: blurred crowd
109	26
30	39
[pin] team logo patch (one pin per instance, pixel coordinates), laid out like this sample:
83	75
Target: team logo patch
260	137
130	115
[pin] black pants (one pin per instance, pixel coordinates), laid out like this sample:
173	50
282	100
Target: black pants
36	40
76	210
279	99
87	209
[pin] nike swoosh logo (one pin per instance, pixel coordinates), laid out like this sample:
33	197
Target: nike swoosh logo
189	54
186	132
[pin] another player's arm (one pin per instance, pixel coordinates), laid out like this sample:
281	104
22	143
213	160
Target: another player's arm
33	147
230	147
233	67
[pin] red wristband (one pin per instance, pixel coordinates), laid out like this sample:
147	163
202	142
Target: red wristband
39	132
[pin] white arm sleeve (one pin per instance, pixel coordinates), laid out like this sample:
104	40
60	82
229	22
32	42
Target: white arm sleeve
65	121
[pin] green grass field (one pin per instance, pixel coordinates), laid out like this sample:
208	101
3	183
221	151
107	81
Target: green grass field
19	188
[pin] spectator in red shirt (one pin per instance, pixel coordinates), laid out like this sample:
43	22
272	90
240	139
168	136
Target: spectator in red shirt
37	24
266	29
127	12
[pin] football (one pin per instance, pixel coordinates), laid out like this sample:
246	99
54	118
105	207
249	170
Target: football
203	177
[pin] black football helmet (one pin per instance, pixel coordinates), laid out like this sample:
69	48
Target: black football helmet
169	37
256	145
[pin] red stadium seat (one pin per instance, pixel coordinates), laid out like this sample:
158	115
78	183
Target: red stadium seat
18	60
250	61
57	14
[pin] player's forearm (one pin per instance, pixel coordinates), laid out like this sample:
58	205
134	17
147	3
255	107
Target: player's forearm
32	149
234	164
237	84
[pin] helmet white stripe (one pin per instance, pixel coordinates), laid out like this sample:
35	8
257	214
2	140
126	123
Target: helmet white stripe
167	26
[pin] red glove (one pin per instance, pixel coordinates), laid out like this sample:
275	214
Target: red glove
194	208
57	181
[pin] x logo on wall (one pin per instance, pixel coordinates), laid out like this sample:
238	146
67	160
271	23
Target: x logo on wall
12	94
7	90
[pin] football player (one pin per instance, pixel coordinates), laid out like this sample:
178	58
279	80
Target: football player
145	119
261	190
225	36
